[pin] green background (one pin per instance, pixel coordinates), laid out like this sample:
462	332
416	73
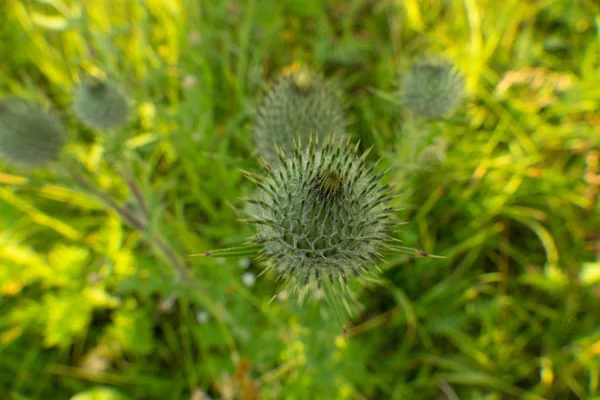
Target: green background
90	310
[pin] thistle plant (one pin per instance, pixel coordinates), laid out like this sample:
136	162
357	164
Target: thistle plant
100	104
432	89
29	135
322	213
32	137
298	105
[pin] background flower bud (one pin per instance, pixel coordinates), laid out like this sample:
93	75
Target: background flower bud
297	106
432	90
29	135
100	104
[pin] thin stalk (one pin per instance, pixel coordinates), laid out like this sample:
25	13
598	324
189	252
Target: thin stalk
137	193
161	245
126	170
124	213
333	301
137	224
168	251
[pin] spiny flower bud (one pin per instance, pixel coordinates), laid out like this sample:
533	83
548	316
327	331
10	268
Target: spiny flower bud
322	213
29	136
297	106
432	90
100	104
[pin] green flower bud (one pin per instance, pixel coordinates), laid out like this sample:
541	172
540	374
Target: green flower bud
29	136
322	213
100	104
435	153
432	90
297	106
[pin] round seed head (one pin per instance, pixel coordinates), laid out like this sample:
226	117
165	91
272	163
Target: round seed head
297	106
100	104
29	136
322	214
432	90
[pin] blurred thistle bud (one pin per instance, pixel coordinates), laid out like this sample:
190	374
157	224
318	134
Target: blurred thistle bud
436	152
298	105
29	136
100	104
322	213
432	89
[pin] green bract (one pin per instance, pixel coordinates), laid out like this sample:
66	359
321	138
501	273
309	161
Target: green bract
322	213
100	104
29	135
432	90
297	106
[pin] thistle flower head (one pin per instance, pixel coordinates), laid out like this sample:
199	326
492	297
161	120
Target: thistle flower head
432	90
322	213
298	105
29	136
100	104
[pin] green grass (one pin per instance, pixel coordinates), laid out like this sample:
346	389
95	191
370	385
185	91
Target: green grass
512	311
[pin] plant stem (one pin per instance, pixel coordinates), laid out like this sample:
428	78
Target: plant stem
155	240
161	244
135	189
122	211
168	251
129	178
135	223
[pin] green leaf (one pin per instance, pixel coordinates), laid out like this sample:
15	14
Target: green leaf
590	273
100	393
133	330
68	316
68	264
55	23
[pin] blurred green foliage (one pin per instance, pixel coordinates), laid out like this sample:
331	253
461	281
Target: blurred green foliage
508	195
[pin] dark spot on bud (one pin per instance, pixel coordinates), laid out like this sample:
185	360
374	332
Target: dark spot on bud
97	83
302	81
328	184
